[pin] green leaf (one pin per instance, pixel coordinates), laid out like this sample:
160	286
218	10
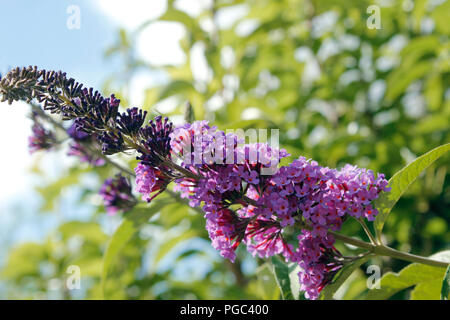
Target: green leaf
266	283
286	278
441	16
434	91
401	181
52	191
445	290
179	16
294	269
167	246
24	261
427	290
410	276
417	48
329	291
129	227
90	231
189	115
174	88
186	20
281	273
399	80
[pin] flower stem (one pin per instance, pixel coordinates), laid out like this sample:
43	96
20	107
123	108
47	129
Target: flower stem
383	250
367	231
353	241
387	251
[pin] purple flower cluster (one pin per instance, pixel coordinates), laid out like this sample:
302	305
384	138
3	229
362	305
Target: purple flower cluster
320	198
226	231
93	111
319	261
243	203
320	195
78	146
155	141
41	138
150	181
314	197
355	190
227	172
131	121
264	239
152	172
116	194
191	141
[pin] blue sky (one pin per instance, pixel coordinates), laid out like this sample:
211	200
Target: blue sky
36	33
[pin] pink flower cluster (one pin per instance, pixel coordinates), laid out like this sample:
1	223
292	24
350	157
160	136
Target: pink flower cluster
41	138
116	194
149	181
303	193
318	261
78	146
215	170
234	174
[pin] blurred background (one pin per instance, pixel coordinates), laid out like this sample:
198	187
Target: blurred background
361	82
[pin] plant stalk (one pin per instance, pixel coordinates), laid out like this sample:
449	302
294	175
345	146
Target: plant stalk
367	231
383	250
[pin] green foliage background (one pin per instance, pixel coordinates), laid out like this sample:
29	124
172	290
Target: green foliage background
338	91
